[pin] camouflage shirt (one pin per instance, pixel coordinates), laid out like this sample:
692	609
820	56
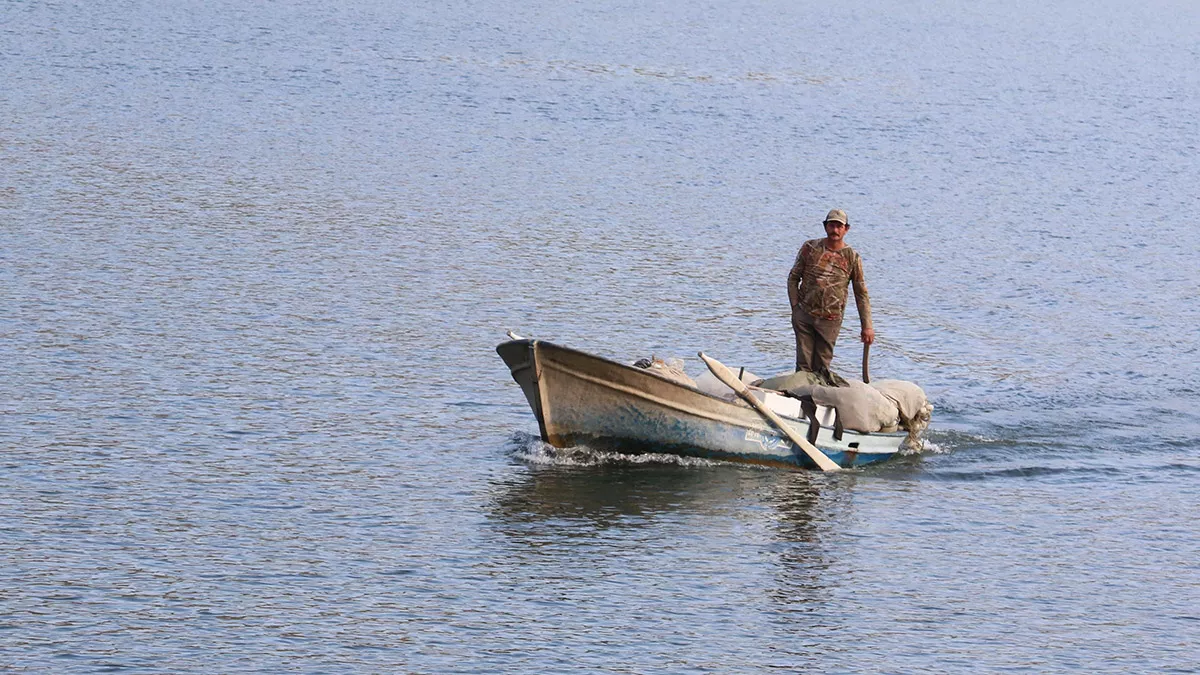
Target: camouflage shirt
820	279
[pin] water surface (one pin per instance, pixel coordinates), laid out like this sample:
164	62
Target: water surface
255	261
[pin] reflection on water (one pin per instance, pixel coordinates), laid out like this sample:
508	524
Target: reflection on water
583	502
614	495
800	522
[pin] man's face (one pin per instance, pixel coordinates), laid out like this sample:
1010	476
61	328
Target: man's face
835	230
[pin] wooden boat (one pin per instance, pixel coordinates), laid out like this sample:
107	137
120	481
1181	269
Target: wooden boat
580	399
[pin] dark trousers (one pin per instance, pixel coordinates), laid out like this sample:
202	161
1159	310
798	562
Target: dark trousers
815	338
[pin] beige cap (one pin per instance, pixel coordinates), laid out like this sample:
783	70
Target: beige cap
837	216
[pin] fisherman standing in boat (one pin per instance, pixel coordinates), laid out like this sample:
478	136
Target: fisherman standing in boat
817	286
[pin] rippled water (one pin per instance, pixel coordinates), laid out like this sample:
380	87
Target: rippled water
255	260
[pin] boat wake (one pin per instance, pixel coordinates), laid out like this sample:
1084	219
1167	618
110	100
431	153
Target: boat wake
944	442
929	446
925	447
532	449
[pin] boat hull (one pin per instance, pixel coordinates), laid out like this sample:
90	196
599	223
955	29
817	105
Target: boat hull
580	399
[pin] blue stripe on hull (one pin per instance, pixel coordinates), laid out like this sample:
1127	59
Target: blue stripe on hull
844	459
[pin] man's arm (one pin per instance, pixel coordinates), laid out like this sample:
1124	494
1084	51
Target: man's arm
794	278
862	300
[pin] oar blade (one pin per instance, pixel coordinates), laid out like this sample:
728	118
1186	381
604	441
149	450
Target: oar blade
726	376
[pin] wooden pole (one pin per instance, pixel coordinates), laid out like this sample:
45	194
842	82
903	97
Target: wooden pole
866	359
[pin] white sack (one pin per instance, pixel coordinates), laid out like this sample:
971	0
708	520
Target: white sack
860	406
709	384
909	398
914	407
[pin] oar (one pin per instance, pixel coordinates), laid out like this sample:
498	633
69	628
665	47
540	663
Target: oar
866	359
725	375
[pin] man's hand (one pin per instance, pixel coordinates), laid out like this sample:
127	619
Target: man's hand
868	335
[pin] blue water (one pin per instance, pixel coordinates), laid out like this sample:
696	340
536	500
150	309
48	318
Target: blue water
255	259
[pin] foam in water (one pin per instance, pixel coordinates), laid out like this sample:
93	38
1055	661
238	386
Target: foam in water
946	442
532	449
924	446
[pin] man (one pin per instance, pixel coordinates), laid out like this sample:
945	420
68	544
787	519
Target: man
817	288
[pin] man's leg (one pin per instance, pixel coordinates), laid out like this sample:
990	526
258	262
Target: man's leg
805	339
825	335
